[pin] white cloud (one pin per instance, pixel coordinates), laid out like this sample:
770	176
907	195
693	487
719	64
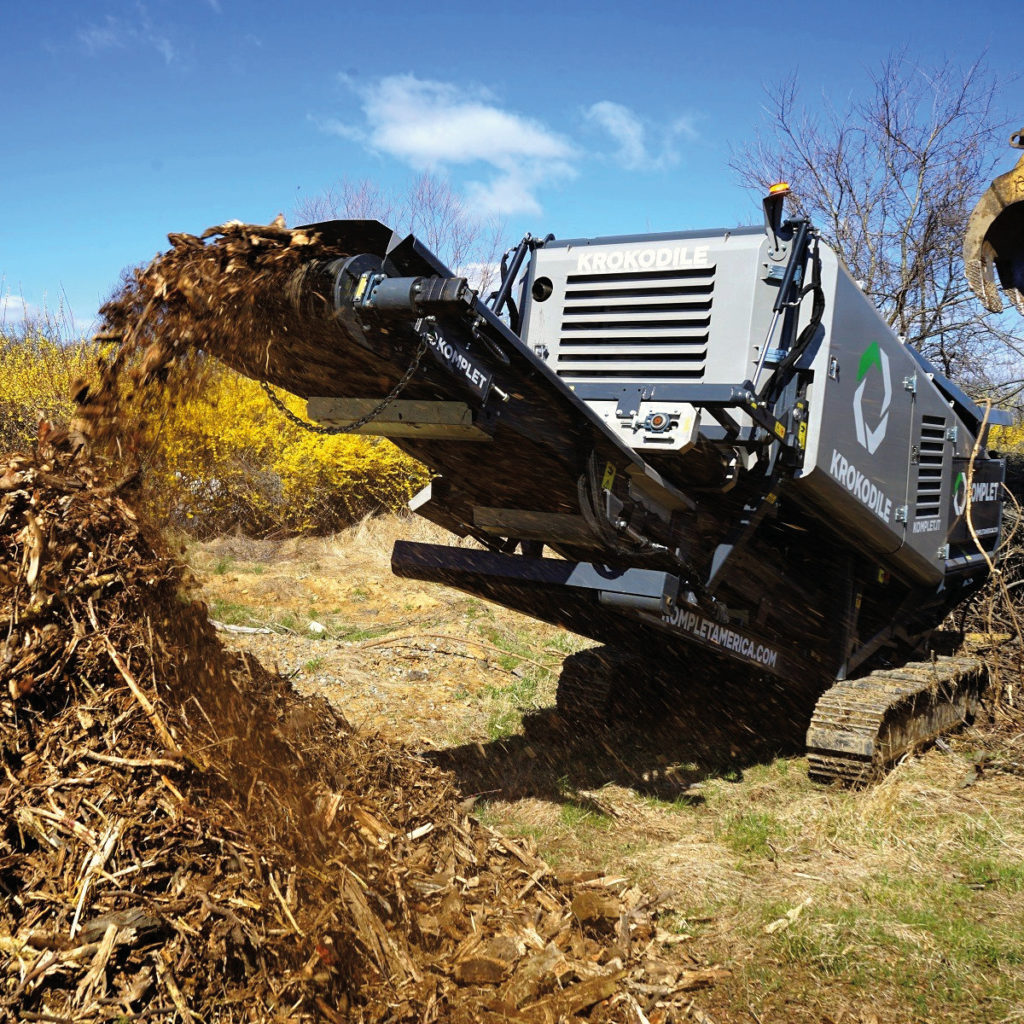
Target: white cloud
110	35
483	277
625	129
686	127
346	131
14	310
17	315
509	193
631	134
120	34
165	48
429	123
432	126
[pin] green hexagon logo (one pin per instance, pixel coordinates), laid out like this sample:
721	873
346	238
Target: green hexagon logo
871	428
960	495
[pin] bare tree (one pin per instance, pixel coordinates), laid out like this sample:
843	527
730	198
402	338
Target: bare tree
430	209
348	200
890	182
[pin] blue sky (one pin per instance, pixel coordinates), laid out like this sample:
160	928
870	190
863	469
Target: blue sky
126	120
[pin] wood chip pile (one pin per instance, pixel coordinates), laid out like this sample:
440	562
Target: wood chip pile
185	838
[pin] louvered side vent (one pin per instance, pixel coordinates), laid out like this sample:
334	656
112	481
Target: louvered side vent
644	325
931	456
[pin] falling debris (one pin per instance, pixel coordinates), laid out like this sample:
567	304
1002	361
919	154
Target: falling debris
232	292
186	838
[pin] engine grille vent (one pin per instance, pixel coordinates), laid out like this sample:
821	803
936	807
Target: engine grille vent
931	457
642	325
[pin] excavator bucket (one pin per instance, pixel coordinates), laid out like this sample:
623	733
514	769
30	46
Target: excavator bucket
994	241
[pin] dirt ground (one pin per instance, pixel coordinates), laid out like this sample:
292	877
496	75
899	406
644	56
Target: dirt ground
900	903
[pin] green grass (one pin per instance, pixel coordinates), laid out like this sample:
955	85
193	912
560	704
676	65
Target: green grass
930	944
752	833
334	630
499	819
234	613
507	704
991	873
357	633
682	804
915	898
513	650
288	623
578	818
507	820
563	643
476	610
519	654
519	693
503	723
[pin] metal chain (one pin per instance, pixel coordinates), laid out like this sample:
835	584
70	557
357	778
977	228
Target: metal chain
314	428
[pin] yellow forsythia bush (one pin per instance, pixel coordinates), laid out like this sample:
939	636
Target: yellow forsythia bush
224	458
36	373
1007	439
216	455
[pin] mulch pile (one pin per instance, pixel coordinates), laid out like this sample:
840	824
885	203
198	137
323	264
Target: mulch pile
185	838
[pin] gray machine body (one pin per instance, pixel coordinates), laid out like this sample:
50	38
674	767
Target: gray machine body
643	327
718	437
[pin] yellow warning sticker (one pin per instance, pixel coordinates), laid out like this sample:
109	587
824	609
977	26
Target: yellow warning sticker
609	477
802	433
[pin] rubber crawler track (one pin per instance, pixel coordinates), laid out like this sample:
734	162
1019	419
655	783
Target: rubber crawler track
861	727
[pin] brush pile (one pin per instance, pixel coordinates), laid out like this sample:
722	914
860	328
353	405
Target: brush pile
184	838
992	623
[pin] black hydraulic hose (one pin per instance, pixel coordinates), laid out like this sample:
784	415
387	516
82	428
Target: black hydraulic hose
589	494
806	336
509	272
794	264
642	550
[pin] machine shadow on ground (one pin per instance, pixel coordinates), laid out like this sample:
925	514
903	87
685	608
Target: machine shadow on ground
658	742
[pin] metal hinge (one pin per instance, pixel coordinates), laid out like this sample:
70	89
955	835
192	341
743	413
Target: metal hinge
901	512
951	434
910	384
943	552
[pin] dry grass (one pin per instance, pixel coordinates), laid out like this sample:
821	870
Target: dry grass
900	903
397	653
368	544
